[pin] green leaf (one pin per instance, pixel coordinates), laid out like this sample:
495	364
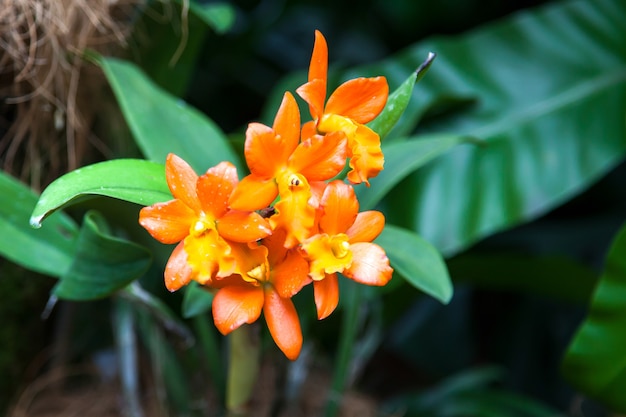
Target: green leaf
219	16
549	86
399	100
102	264
162	123
49	250
402	158
595	360
135	180
196	300
417	261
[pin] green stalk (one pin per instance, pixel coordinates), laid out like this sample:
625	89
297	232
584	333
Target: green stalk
347	337
243	369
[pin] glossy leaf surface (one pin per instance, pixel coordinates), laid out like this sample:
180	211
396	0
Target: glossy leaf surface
135	180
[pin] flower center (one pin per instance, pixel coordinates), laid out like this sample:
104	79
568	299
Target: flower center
201	226
257	274
340	246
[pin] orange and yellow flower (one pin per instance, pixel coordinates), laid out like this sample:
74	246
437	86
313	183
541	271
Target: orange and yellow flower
199	218
310	229
272	276
343	245
349	107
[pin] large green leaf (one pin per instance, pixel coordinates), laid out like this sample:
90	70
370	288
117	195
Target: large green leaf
595	361
543	88
102	263
550	87
402	158
135	180
417	261
162	123
48	250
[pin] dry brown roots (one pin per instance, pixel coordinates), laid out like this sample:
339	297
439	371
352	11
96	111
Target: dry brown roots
45	117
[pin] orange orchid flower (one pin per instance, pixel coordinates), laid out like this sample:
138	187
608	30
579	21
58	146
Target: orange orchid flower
348	108
270	276
199	220
343	245
275	154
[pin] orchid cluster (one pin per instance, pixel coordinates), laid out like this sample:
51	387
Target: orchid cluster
257	242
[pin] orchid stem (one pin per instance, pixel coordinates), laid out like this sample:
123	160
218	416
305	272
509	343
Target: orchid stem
243	369
347	337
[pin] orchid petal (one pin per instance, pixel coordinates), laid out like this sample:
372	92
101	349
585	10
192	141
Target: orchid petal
294	213
287	129
265	151
314	93
367	226
359	99
320	158
243	226
367	157
326	292
214	192
167	222
290	275
253	193
327	254
340	208
235	305
283	323
370	265
182	179
177	271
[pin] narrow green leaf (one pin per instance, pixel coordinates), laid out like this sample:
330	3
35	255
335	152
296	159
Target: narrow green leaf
162	123
398	100
48	250
196	300
417	261
402	158
396	104
102	264
595	361
135	180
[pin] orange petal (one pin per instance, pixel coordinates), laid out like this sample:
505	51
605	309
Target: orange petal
294	213
360	99
320	158
367	157
290	275
181	179
167	222
251	262
340	208
243	226
309	129
287	128
283	323
177	271
225	170
314	93
318	68
235	305
366	227
326	293
253	193
214	192
265	150
370	264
